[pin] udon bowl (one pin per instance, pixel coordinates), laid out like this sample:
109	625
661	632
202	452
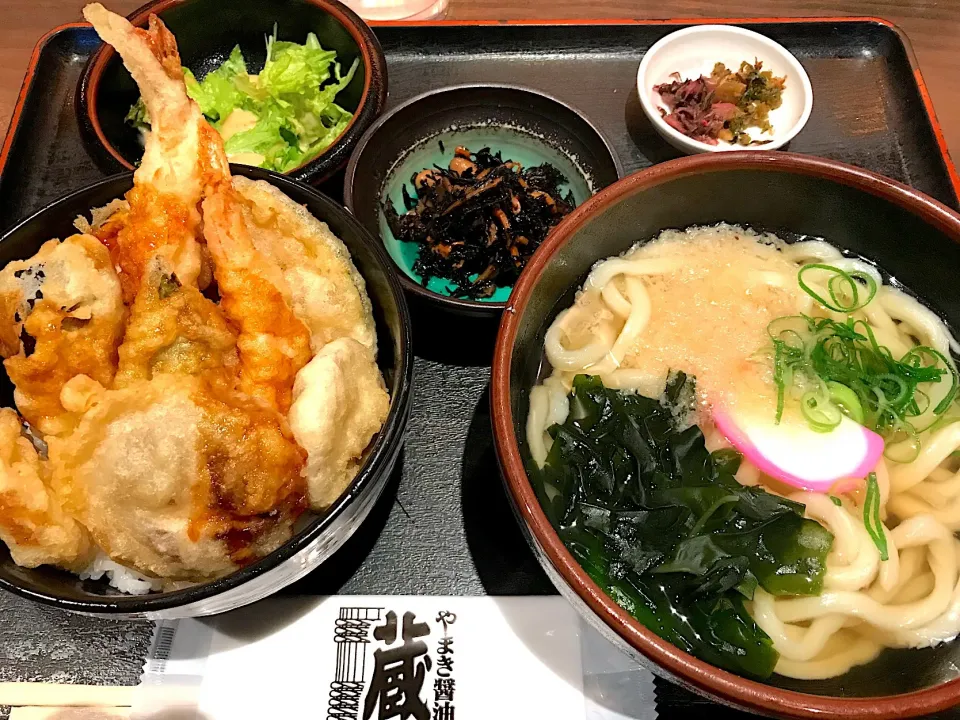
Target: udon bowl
907	234
317	535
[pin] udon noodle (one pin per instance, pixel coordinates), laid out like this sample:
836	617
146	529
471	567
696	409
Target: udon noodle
700	301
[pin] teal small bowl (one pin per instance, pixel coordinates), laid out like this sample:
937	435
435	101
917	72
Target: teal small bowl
523	125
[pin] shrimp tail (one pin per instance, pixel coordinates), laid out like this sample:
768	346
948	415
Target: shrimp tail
164	47
182	154
183	158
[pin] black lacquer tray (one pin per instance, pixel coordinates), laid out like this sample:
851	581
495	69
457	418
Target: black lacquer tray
445	526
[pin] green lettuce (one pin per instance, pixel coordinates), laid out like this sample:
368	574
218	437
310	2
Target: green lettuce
292	69
293	99
218	94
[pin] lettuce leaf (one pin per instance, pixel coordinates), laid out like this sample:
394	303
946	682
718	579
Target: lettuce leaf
272	137
217	94
138	117
293	98
293	69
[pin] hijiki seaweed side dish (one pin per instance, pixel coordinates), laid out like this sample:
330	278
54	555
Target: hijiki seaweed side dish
724	105
478	221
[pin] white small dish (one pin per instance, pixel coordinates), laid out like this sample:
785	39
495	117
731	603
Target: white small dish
693	51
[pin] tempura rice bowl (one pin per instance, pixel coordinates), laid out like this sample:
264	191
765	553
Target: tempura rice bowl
316	536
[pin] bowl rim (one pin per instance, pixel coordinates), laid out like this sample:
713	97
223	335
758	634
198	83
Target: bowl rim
693	146
372	99
459	305
694	672
382	450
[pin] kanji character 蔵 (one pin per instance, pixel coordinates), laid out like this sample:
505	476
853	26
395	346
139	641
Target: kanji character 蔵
398	672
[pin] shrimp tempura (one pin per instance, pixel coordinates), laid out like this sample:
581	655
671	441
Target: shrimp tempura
273	342
183	157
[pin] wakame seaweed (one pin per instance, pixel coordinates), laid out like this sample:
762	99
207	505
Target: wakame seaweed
665	529
478	221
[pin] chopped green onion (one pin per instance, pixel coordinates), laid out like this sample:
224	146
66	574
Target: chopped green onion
844	288
942	421
790	329
918	353
904	450
836	501
858	376
847	400
921	403
871	516
895	389
821	414
778	372
787	334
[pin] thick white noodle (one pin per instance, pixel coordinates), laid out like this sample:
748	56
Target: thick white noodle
920	320
885	330
935	450
919	530
537	422
637	380
549	406
615	300
748	475
808	251
605	271
563	358
637	320
852	651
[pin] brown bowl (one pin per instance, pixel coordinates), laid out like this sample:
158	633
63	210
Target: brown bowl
206	31
905	232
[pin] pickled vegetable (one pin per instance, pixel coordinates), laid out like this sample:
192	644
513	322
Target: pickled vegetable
724	105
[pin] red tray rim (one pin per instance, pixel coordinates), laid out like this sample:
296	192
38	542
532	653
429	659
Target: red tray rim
954	177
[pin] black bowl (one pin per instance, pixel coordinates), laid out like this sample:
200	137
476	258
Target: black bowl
909	235
318	535
206	32
525	121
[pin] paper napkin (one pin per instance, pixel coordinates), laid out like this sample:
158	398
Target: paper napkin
382	657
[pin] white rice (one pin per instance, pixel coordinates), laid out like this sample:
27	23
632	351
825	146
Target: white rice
122	578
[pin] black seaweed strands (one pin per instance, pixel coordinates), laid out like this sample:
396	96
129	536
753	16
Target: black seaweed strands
477	222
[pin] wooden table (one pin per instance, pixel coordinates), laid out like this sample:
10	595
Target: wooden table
932	25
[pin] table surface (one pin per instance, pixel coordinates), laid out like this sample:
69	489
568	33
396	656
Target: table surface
933	26
91	651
